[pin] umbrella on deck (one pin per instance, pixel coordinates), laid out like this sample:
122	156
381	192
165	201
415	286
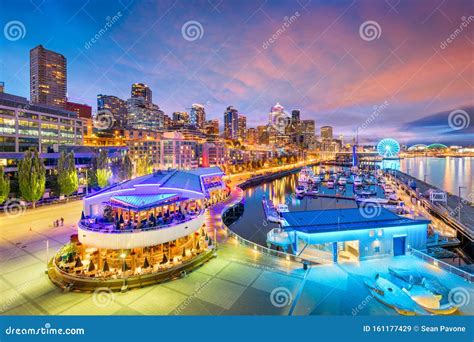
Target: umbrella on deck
184	252
197	246
165	259
91	266
146	264
105	268
83	216
78	262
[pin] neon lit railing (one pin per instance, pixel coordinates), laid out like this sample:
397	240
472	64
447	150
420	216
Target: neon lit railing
441	264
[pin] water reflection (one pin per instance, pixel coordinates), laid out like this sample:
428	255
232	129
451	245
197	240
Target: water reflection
445	173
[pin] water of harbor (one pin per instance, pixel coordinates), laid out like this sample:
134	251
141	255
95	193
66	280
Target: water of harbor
447	173
253	226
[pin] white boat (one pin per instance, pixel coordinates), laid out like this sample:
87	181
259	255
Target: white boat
313	191
305	175
330	184
342	181
282	208
393	296
316	179
373	200
357	181
300	190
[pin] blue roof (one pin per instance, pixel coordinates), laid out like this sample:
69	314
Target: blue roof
142	201
315	221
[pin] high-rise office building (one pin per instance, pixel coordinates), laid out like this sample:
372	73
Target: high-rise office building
231	123
252	136
197	116
180	119
116	106
308	127
262	135
295	116
326	133
48	77
212	127
242	133
142	90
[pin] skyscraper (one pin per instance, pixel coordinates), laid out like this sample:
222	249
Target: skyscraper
242	133
180	119
116	106
231	123
197	116
82	110
295	116
326	133
142	90
48	77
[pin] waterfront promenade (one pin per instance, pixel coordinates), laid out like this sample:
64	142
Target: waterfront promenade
455	208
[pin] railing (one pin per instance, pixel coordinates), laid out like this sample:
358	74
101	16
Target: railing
263	249
111	228
438	263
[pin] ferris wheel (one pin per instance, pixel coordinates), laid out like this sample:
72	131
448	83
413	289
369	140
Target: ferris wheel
388	148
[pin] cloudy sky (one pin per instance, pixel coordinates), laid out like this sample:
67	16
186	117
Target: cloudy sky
385	68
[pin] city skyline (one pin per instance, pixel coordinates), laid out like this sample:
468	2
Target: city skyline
311	58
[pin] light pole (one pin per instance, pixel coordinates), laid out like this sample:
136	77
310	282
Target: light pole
87	183
424	178
459	206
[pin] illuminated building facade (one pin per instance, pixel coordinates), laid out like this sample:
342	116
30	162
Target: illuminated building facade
231	123
48	77
143	91
197	116
242	133
25	125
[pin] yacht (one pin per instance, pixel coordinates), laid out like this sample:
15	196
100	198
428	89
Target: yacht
330	184
282	208
305	175
342	181
372	200
300	190
357	181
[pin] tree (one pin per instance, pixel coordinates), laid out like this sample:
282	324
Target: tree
4	186
31	177
144	166
102	171
122	168
103	176
67	174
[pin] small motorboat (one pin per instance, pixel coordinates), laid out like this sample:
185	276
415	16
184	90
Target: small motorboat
373	200
427	291
282	208
330	184
313	191
342	181
357	181
300	190
393	296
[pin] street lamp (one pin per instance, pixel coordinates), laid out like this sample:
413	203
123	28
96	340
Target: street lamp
424	178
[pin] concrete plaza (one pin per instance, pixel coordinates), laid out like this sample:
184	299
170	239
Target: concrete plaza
238	281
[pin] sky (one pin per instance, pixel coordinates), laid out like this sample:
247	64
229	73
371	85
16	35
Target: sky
379	68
